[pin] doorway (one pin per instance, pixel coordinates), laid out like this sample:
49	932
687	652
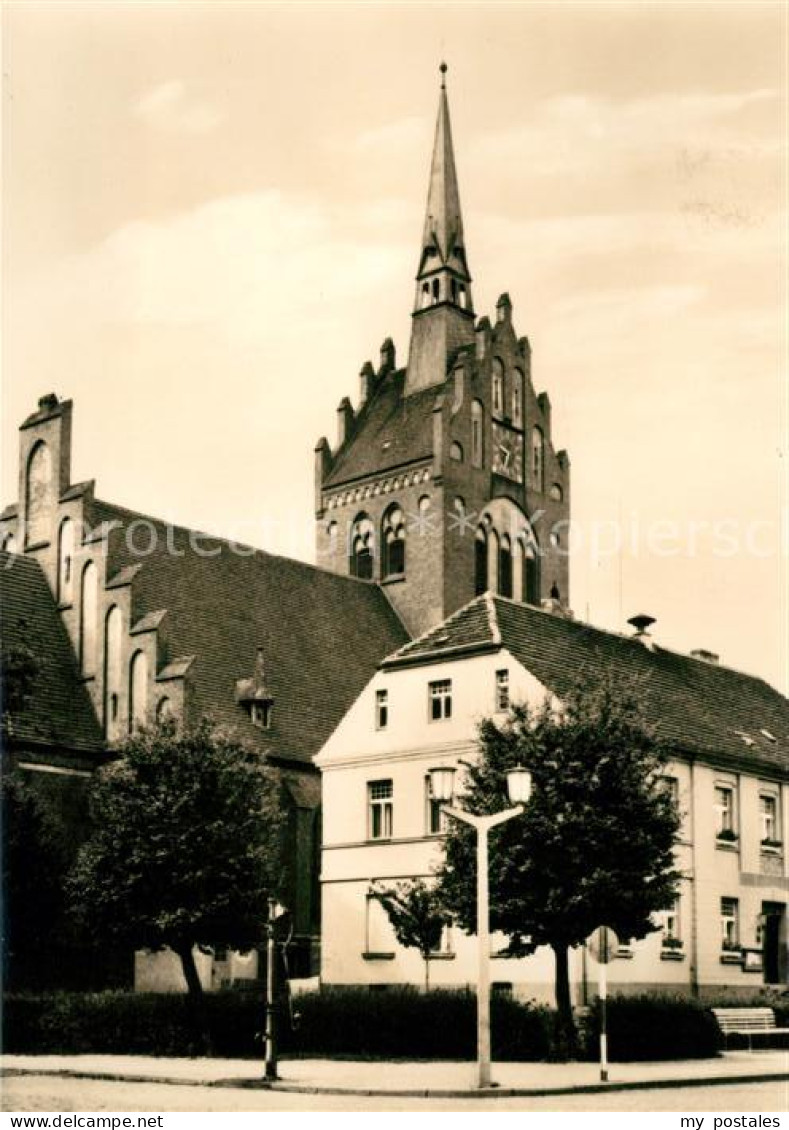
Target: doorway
774	943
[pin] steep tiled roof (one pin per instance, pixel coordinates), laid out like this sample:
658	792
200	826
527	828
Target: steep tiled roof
59	712
323	635
391	431
696	706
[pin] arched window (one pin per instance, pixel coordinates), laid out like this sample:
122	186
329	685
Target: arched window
462	296
531	577
456	452
9	543
436	286
505	566
362	548
493	560
517	398
425	300
88	618
333	534
480	561
557	494
394	542
113	627
537	459
66	561
138	690
164	710
477	418
498	387
38	490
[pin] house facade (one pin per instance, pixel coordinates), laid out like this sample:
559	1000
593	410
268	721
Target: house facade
728	736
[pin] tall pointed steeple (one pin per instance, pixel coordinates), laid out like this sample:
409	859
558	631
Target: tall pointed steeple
443	310
443	231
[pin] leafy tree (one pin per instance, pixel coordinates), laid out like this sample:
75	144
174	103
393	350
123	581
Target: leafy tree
595	845
21	669
185	851
417	915
33	872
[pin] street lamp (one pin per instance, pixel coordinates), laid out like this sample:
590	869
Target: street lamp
275	912
442	780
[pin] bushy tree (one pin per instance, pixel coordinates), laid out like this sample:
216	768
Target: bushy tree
185	849
417	915
33	872
595	845
20	670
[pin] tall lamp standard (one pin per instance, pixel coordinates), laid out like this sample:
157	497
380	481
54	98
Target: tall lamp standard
442	780
275	912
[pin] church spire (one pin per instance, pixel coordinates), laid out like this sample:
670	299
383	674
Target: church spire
443	309
443	231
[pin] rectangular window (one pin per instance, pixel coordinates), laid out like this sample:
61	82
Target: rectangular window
768	817
724	811
379	794
381	710
379	935
502	690
440	700
730	924
671	926
445	941
436	819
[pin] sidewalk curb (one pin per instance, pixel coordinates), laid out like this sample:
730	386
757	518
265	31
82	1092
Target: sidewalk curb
418	1093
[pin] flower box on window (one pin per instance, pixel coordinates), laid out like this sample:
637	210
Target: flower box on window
727	836
771	845
672	943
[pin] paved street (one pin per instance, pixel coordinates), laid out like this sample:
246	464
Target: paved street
39	1092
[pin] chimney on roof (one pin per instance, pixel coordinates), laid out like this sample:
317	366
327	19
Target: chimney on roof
642	623
705	656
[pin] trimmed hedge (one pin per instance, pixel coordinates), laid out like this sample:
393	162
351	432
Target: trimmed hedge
404	1024
357	1023
653	1027
351	1023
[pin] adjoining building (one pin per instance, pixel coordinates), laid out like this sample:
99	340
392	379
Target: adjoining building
729	738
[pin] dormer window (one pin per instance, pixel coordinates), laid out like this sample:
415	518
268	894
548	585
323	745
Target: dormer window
255	696
260	713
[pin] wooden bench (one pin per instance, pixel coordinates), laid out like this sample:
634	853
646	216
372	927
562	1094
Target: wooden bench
748	1022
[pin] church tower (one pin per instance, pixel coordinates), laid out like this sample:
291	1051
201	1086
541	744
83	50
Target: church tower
443	316
443	481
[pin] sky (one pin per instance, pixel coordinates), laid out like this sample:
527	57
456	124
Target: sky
211	219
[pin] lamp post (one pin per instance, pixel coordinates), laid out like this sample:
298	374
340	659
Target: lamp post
519	790
275	911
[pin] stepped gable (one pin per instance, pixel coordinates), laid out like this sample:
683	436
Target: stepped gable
323	635
392	431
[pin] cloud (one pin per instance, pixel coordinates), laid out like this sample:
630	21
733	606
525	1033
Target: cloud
406	135
168	107
573	133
